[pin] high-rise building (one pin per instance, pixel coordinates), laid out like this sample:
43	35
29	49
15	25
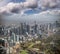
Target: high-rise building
35	27
28	28
22	29
1	30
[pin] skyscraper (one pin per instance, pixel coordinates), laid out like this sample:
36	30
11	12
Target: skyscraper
35	27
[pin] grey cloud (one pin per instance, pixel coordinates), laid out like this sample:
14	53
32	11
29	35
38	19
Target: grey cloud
17	7
51	12
13	8
49	4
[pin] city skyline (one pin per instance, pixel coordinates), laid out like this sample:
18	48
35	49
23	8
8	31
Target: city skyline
30	26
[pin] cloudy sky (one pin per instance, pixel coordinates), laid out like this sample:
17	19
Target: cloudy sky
29	9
